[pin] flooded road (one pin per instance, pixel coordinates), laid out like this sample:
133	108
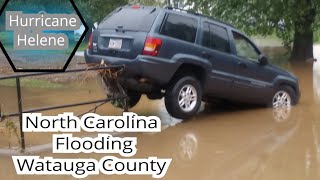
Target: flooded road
222	142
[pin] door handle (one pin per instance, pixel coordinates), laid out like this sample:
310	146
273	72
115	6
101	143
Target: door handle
205	55
242	65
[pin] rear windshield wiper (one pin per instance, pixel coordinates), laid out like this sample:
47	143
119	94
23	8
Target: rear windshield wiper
120	28
119	9
153	10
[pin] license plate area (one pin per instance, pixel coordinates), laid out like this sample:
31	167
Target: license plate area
115	43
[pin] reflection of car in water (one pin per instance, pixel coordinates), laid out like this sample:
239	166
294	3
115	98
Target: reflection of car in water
206	151
187	58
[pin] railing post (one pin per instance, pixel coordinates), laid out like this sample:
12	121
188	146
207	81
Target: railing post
23	146
126	107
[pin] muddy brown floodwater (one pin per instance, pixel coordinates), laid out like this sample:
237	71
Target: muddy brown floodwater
222	142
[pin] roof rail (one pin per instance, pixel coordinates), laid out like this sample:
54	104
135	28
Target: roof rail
182	10
197	14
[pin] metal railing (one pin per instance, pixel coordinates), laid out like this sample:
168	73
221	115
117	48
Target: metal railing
19	97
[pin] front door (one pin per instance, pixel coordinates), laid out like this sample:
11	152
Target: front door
249	86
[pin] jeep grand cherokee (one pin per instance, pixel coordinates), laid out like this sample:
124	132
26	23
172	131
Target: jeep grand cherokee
187	58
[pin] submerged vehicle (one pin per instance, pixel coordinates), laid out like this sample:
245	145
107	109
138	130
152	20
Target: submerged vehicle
187	58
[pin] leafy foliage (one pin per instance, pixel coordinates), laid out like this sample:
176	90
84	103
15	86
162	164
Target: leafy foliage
264	17
287	19
38	5
96	10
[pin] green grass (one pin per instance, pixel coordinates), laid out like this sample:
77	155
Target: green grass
31	83
267	41
83	46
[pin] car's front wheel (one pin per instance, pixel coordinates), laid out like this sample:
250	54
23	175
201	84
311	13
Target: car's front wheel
284	97
183	97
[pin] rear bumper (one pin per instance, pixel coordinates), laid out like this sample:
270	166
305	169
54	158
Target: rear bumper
158	70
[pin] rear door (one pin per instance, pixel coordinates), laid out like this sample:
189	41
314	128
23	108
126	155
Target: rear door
123	32
216	43
179	34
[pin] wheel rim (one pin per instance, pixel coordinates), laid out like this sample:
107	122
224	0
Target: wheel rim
187	98
281	114
188	146
282	99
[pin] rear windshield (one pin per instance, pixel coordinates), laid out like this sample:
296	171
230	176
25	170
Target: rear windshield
131	19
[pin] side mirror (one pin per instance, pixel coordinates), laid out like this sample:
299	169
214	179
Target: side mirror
263	59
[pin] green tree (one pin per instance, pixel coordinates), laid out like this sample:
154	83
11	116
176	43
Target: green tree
96	10
291	20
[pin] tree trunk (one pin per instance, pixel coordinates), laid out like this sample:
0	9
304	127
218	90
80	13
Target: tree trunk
302	49
303	44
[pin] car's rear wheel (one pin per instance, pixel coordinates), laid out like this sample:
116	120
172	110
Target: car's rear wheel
183	97
284	97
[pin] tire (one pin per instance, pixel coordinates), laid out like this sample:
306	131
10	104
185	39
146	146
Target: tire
133	100
283	90
177	90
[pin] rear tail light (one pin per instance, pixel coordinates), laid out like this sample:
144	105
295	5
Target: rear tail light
152	46
90	41
135	6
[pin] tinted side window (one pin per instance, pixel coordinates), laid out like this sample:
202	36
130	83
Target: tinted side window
180	27
215	37
244	48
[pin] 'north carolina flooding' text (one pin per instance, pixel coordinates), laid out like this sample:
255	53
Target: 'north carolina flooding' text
102	143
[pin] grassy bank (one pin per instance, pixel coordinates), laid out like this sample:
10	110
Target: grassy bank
267	41
32	83
83	46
